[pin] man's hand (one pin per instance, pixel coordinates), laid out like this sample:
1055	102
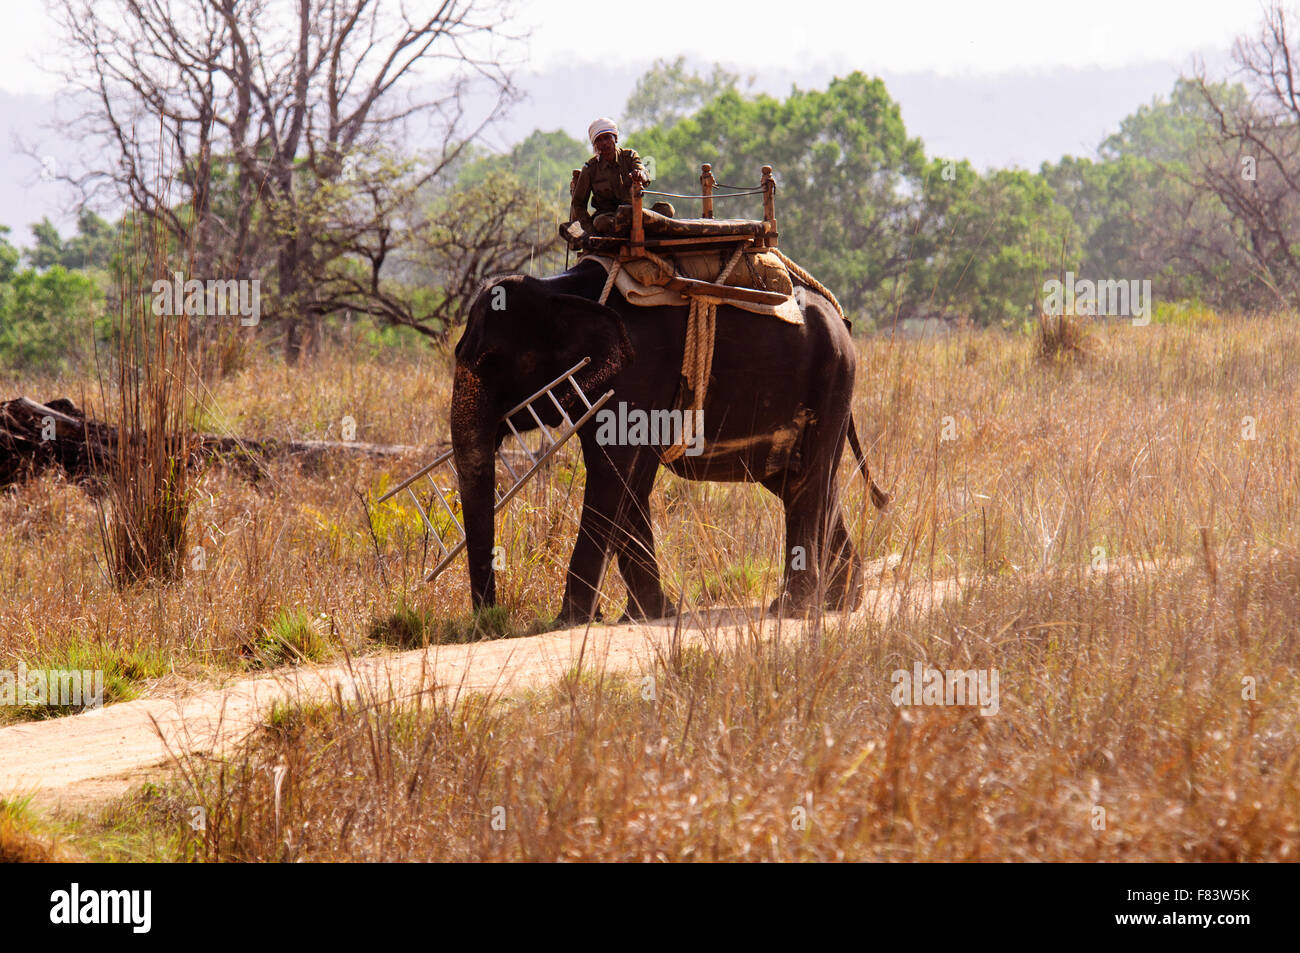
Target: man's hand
639	175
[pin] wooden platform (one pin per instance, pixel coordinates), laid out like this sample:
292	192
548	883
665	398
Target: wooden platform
637	228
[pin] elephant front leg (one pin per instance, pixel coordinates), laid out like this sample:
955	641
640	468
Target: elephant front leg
601	498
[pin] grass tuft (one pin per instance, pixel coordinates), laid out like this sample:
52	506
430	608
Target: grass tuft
293	636
1061	338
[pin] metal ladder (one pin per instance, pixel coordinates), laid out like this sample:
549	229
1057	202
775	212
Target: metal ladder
551	441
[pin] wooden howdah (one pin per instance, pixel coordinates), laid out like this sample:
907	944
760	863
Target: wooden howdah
638	229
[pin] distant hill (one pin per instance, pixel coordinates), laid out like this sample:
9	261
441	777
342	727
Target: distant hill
1010	119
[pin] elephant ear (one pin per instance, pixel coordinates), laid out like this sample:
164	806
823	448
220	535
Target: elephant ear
586	328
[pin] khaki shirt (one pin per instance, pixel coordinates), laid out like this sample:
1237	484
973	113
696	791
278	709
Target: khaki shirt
607	185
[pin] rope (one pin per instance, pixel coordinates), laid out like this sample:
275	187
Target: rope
609	282
809	280
697	361
666	268
722	275
714	195
701	328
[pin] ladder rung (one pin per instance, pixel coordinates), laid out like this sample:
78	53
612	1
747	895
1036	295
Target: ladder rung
437	491
509	469
568	422
564	437
581	396
519	439
445	561
425	516
550	443
569	373
441	458
545	431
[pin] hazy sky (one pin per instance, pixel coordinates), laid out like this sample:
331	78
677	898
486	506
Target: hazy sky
950	37
947	36
1001	82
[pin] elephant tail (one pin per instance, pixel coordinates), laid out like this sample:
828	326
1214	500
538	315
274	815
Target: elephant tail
879	498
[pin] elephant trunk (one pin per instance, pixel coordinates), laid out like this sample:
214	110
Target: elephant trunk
473	440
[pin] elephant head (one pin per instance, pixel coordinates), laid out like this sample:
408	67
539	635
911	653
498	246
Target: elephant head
521	334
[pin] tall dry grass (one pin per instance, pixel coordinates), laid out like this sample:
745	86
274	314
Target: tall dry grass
1123	530
1135	451
1120	693
144	389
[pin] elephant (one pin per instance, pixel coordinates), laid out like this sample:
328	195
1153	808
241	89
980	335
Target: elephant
776	413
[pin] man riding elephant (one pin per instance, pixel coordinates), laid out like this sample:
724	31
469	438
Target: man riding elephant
606	180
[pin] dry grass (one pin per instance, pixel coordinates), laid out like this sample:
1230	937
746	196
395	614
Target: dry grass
25	839
1062	337
1126	526
144	511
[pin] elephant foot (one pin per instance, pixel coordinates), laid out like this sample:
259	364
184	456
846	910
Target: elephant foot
571	617
788	606
635	612
845	598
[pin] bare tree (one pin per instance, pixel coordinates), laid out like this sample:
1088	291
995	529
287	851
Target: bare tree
1252	163
493	227
239	124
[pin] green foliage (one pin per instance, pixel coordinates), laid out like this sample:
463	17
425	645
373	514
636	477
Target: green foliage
500	216
739	581
667	93
1170	130
406	627
894	233
290	720
1141	210
544	160
52	313
490	622
9	256
94	245
985	244
48	320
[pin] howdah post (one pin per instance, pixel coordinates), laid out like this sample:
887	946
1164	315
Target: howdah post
706	190
636	243
769	205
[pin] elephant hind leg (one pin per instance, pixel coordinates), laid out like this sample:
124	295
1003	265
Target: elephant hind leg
805	512
844	587
821	565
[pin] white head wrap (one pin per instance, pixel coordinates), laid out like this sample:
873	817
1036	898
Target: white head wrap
601	126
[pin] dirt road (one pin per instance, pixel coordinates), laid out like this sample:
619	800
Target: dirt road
67	763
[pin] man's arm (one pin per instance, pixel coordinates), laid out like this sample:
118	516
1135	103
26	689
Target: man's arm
578	211
635	169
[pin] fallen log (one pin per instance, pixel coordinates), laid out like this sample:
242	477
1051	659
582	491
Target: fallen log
35	436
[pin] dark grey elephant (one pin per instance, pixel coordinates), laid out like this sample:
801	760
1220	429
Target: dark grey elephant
776	413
